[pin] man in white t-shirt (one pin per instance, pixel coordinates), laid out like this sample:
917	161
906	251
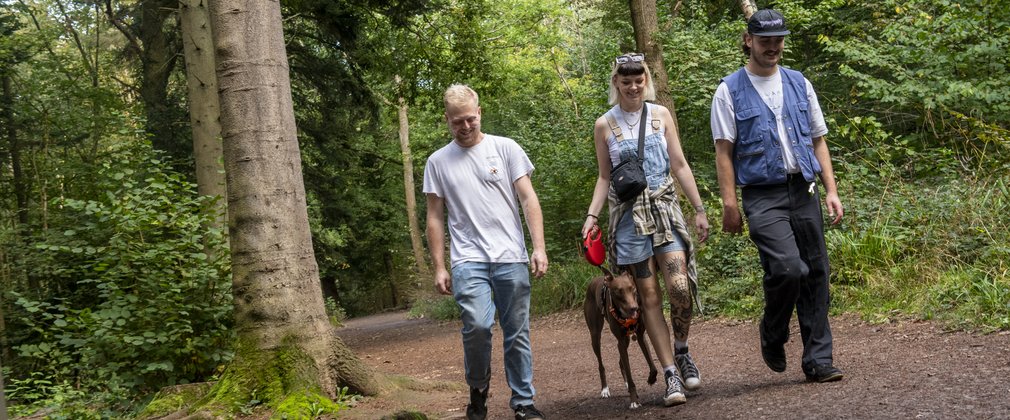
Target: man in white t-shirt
769	139
478	178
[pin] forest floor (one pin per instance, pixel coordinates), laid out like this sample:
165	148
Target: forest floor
901	369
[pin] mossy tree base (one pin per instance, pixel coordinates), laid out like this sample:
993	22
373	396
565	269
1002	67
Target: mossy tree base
284	380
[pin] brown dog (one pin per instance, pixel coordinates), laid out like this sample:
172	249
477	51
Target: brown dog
615	298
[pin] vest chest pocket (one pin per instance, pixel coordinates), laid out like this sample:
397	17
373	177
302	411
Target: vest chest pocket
803	118
749	127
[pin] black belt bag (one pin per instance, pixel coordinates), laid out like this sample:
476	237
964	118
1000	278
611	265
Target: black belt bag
628	177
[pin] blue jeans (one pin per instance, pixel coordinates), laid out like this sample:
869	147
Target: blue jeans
479	288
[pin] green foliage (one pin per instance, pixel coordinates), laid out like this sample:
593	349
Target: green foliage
441	307
563	288
142	297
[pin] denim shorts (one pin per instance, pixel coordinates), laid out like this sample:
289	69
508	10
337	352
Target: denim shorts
633	248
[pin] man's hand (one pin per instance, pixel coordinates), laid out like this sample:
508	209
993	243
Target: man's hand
731	220
834	205
443	281
538	263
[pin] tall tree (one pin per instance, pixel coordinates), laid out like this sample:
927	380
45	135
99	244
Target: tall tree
408	186
646	25
204	106
286	344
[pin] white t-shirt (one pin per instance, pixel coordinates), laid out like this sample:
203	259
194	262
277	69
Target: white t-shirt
770	88
477	184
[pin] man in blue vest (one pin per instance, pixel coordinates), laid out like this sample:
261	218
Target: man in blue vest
769	139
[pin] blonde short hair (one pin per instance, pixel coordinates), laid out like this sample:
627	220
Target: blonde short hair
459	95
632	68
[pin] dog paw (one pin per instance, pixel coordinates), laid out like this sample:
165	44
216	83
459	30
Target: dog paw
652	377
634	405
605	392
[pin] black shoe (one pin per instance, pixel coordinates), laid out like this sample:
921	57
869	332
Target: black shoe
674	390
823	373
528	412
688	371
774	356
477	409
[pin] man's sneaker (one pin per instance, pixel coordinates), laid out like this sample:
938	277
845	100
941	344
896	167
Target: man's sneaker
688	371
674	390
823	373
477	409
774	356
528	412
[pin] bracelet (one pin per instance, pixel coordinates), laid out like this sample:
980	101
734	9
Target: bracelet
592	215
700	208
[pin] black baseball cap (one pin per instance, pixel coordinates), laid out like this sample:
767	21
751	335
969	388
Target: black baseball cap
767	22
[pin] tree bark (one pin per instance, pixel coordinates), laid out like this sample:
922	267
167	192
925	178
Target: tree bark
416	245
157	61
281	323
204	106
20	185
748	7
645	24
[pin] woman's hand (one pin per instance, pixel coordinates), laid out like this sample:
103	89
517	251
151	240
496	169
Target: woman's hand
588	225
701	226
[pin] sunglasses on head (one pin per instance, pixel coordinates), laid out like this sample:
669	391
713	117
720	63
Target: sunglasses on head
629	58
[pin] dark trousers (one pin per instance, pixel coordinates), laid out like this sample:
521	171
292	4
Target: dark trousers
787	226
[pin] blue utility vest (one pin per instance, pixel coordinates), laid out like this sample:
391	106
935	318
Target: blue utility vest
758	154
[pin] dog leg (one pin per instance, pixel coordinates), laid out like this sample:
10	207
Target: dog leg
594	320
622	346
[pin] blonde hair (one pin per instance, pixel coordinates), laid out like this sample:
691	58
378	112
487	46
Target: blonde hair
459	95
632	68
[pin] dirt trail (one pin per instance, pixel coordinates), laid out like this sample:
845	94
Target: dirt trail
898	370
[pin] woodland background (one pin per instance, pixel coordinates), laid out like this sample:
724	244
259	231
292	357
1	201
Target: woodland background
115	277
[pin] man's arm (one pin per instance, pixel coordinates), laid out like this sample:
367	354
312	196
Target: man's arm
831	200
731	220
535	222
436	242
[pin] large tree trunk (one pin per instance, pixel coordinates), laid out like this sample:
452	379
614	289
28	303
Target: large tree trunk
748	7
408	190
204	106
287	348
645	23
157	62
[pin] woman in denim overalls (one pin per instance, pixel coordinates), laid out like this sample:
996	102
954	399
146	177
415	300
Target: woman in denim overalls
650	231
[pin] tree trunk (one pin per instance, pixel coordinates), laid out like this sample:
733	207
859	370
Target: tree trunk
408	190
286	346
645	23
204	106
748	7
20	185
157	62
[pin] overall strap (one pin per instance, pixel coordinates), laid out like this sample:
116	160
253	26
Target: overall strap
614	127
641	132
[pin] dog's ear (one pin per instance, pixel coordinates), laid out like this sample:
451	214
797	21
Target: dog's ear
607	275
